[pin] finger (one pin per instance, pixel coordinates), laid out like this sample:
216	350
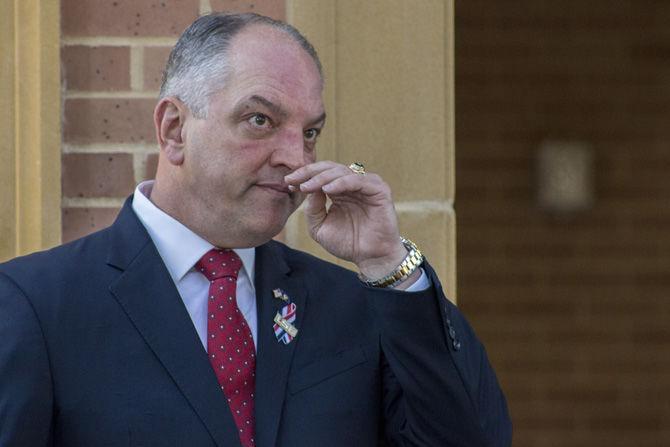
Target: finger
306	172
369	184
323	178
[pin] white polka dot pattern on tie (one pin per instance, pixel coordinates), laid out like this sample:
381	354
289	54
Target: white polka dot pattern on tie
229	334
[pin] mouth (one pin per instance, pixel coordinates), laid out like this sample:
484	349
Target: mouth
277	187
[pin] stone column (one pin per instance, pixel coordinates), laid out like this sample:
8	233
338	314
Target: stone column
30	126
389	99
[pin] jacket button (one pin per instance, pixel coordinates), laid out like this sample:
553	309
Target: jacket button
457	345
452	333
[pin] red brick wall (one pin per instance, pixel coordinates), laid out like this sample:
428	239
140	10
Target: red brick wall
113	53
575	311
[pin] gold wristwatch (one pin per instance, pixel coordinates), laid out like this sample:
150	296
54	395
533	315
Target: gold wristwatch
408	266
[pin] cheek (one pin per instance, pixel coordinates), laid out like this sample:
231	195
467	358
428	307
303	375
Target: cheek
252	147
310	157
252	152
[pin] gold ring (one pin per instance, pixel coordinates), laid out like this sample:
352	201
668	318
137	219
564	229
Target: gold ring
357	168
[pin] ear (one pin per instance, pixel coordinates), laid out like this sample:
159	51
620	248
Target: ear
169	117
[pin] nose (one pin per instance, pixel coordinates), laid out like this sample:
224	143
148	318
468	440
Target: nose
289	150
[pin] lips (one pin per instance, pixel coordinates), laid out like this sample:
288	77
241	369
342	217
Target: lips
275	186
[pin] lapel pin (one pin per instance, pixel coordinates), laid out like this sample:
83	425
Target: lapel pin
280	295
283	327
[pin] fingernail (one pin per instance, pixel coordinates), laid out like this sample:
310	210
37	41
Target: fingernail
292	188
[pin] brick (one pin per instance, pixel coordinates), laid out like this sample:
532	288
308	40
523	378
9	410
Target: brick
155	59
97	175
272	8
108	121
541	421
150	166
127	17
96	68
626	421
78	222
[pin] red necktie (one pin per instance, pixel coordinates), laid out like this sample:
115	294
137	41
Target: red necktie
230	345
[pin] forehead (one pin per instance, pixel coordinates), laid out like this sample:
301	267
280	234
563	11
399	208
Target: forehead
268	62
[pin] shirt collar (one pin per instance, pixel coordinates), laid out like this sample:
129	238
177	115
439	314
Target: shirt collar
179	247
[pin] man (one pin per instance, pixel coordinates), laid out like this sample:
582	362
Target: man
184	324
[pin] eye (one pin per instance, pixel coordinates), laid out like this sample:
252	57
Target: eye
259	120
312	134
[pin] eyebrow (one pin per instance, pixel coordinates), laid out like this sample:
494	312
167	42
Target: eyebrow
321	119
274	108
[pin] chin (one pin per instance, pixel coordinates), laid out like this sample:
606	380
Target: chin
266	227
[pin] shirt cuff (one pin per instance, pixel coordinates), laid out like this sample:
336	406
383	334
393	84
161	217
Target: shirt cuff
420	284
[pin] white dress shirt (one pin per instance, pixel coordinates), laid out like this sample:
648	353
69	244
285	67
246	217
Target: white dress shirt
180	248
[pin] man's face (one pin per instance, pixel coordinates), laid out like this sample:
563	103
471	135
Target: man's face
261	126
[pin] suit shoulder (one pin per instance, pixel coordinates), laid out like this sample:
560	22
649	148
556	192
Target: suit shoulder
72	257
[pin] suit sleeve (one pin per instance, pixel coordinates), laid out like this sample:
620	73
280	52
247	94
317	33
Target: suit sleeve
26	396
439	387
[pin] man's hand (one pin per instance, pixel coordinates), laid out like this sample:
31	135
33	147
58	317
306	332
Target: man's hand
360	225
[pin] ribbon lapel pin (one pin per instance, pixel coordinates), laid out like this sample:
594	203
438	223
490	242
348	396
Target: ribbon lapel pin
284	319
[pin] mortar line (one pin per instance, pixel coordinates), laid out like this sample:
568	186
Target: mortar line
109	148
137	69
92	202
129	94
205	7
139	166
116	41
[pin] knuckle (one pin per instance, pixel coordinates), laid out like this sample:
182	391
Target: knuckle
384	187
380	181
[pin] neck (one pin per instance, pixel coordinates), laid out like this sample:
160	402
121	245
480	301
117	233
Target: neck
169	198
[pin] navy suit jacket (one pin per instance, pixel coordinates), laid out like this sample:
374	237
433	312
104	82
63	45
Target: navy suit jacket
97	349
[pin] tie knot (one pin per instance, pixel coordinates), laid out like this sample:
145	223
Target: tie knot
219	263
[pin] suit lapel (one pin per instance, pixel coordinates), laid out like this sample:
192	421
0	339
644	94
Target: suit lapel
147	294
274	357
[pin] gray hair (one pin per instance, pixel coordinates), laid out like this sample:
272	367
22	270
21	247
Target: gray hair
198	65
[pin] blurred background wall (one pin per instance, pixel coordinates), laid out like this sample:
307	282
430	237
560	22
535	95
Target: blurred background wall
574	306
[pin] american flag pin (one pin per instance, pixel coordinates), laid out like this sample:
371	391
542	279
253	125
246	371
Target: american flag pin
283	324
279	294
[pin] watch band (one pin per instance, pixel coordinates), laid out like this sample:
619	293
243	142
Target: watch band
408	266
